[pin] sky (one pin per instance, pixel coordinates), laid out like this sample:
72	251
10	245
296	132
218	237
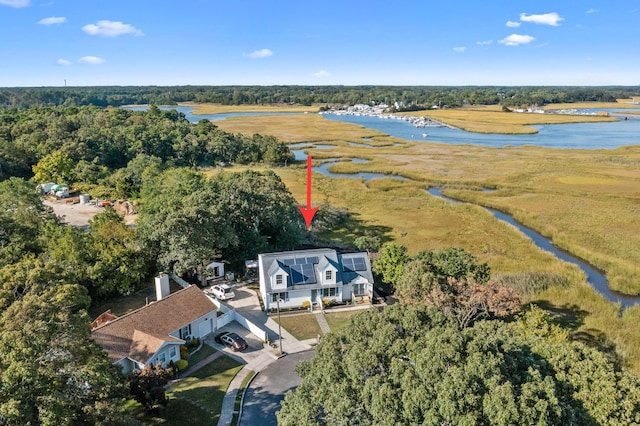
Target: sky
329	42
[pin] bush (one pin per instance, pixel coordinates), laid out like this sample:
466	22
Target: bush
328	302
184	352
182	364
306	304
192	343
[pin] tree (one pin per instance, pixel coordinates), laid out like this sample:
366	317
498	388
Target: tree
391	262
147	386
448	280
51	371
55	167
414	365
368	243
116	263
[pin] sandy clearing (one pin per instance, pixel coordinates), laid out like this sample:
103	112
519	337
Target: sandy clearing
79	214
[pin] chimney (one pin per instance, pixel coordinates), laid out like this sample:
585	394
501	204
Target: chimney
162	286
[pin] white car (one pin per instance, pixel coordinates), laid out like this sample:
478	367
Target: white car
222	292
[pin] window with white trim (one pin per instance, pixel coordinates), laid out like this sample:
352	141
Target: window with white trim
284	297
162	357
172	352
329	292
328	275
359	289
279	279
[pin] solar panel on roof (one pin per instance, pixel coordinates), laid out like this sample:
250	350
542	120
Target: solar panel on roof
312	259
297	277
309	273
348	264
289	261
359	264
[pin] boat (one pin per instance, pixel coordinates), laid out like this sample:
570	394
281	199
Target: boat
424	135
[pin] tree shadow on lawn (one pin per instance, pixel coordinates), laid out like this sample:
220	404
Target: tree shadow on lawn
571	317
352	228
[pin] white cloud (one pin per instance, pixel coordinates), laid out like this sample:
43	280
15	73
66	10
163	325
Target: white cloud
484	42
592	10
459	49
111	29
512	24
552	19
516	40
92	60
15	3
321	73
262	53
63	62
53	20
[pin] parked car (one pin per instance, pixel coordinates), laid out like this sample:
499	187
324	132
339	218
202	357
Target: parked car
232	340
222	292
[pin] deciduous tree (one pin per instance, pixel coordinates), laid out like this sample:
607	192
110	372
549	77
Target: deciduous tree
414	365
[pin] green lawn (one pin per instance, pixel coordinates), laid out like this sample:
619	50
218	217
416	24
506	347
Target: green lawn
302	326
339	320
206	387
204	352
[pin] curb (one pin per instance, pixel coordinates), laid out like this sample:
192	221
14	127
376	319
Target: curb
244	393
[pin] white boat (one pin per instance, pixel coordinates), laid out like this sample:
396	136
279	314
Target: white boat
424	135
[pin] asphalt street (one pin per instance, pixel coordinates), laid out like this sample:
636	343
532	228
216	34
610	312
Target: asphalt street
262	399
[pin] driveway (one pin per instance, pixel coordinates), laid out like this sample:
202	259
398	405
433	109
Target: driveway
256	347
262	399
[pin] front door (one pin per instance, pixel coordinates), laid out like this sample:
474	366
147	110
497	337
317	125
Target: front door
314	296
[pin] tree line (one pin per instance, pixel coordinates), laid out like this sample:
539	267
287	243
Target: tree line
88	144
452	96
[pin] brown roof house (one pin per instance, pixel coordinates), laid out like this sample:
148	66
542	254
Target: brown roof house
154	333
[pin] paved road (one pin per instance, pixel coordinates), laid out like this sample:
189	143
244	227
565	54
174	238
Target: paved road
262	399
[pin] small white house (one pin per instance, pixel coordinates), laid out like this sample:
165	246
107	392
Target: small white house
296	277
215	270
154	333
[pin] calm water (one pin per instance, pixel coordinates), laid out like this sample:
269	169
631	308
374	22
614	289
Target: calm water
194	118
594	277
581	135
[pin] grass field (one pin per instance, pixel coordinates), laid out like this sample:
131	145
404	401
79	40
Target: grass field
338	321
587	201
302	327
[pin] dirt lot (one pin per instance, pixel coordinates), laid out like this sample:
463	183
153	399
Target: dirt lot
78	214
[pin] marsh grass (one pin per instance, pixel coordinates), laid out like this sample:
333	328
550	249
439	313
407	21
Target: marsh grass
512	123
587	201
207	108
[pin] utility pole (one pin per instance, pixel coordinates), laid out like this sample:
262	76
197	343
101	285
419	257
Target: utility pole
279	325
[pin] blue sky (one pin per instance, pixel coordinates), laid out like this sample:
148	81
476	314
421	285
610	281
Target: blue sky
399	42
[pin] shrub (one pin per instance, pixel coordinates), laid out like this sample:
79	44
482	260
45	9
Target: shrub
184	352
328	302
182	364
306	304
192	343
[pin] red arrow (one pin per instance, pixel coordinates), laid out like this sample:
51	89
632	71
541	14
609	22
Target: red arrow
308	212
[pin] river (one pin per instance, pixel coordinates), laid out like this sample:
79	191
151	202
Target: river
574	136
597	280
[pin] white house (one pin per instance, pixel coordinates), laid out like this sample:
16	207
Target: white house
310	276
154	333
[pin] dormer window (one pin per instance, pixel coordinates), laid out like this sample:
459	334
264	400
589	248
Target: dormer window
279	279
328	275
